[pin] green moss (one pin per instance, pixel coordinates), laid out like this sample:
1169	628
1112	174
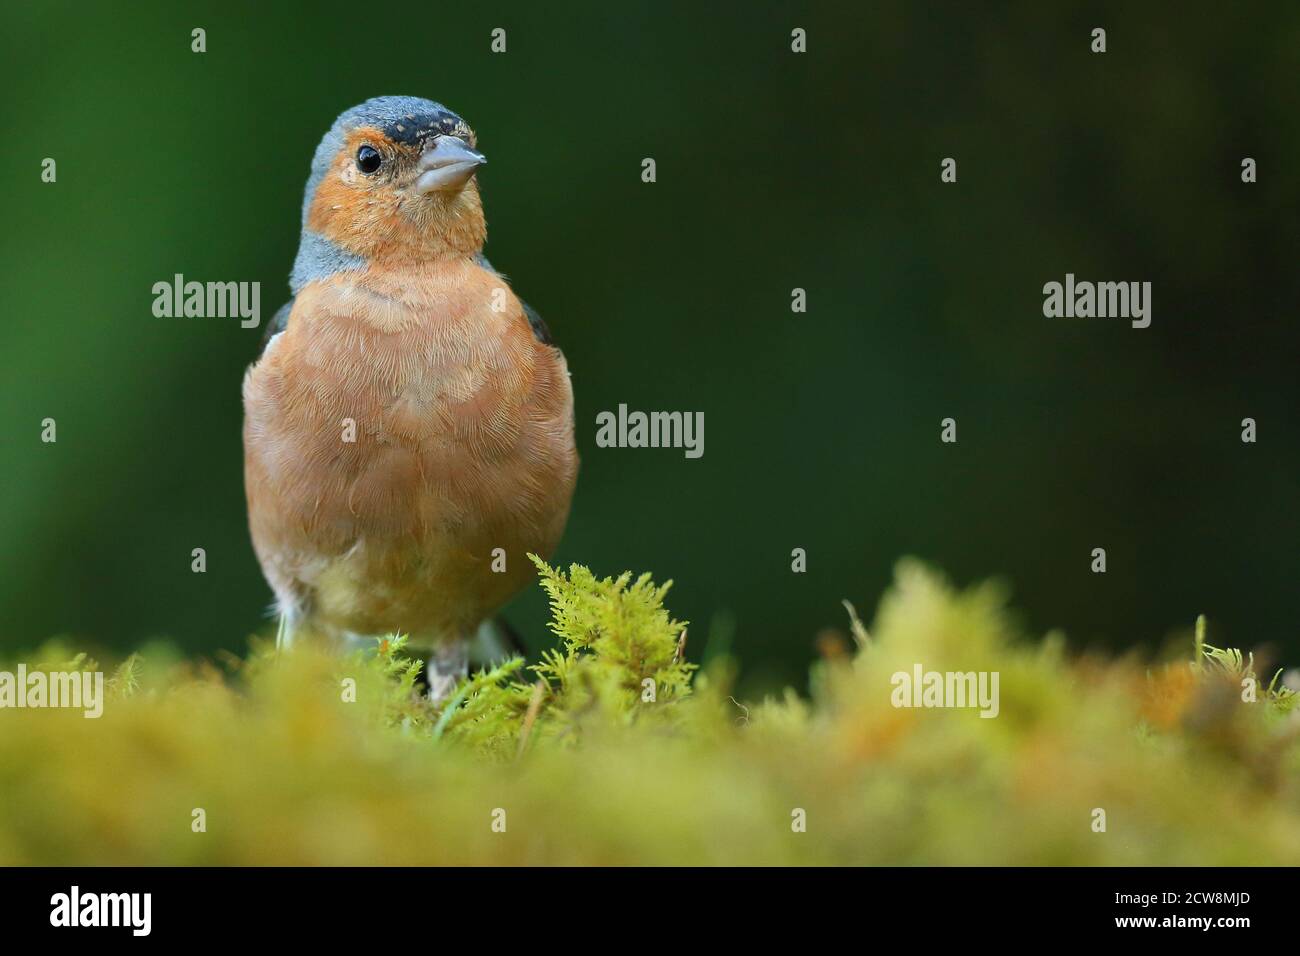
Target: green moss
613	749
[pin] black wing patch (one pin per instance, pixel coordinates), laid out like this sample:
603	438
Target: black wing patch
539	327
277	325
540	330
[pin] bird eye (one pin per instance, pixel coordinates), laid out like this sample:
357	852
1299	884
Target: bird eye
368	159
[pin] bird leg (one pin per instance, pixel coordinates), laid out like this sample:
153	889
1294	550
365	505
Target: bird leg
447	667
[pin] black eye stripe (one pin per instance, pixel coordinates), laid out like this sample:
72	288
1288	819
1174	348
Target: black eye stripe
368	159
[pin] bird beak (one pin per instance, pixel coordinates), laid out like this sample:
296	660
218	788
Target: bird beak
447	165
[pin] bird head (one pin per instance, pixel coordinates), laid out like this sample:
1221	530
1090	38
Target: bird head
392	181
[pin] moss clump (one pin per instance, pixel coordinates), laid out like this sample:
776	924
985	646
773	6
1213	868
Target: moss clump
612	750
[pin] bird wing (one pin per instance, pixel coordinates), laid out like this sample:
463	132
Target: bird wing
535	321
277	325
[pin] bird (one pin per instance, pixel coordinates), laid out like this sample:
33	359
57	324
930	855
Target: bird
408	425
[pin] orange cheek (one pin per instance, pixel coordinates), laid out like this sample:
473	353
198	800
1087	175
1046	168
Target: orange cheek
370	218
335	199
349	213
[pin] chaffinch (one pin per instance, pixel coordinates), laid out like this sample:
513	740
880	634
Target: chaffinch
408	427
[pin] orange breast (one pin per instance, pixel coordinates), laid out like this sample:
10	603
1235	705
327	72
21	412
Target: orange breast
398	432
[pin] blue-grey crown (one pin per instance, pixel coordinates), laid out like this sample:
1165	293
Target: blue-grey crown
403	119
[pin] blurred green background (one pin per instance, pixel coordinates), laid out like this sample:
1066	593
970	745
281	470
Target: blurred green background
775	170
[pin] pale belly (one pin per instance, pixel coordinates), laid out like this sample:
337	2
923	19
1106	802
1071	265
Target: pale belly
404	455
